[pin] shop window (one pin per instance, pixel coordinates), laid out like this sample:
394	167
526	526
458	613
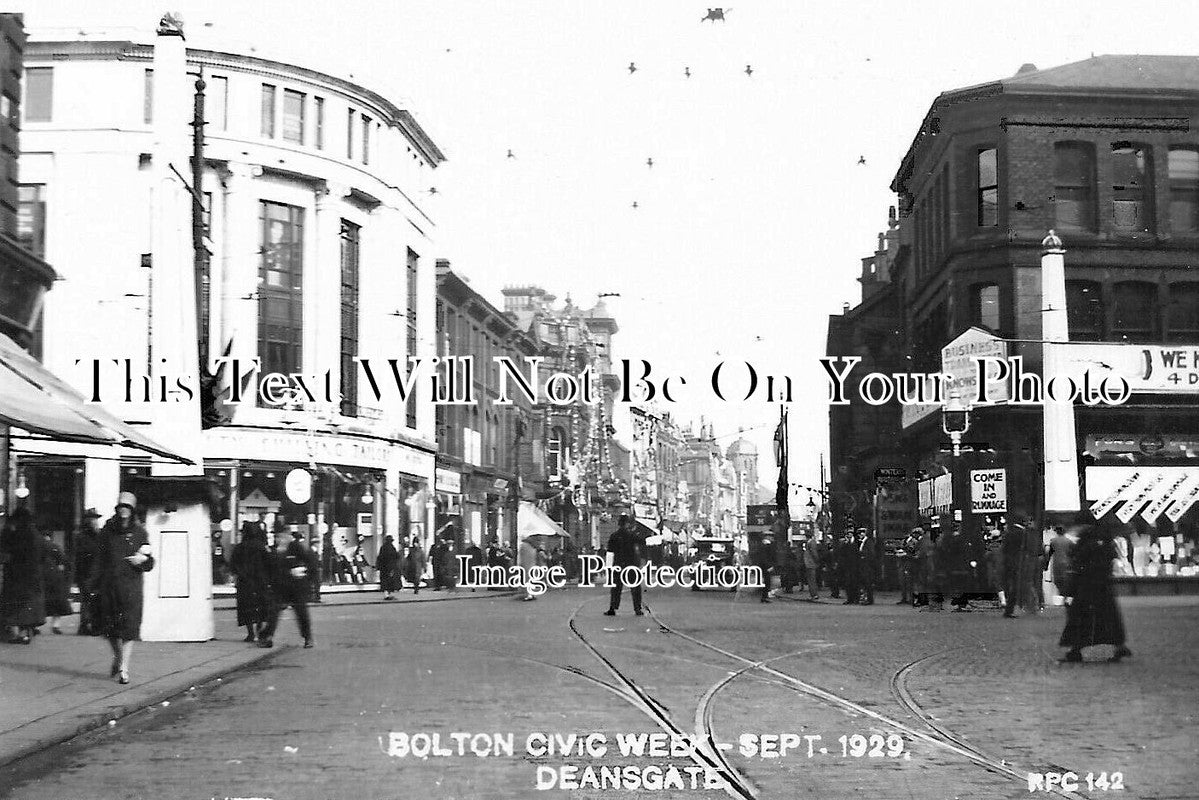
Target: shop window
412	269
280	288
1182	324
39	94
293	116
1134	311
1130	181
555	449
1183	171
268	111
1074	185
350	235
984	305
216	103
1084	310
318	129
987	199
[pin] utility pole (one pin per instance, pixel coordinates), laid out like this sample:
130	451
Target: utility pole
1059	435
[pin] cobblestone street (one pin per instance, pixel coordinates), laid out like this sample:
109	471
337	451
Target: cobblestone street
978	700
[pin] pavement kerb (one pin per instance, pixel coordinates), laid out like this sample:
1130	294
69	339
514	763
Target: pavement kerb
379	601
55	729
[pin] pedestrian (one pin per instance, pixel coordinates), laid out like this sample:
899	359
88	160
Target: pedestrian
474	558
437	556
1093	617
625	548
122	557
290	586
86	543
1013	559
55	584
791	574
956	572
905	556
811	559
1058	555
932	580
251	566
414	564
868	563
847	561
22	597
1033	554
388	564
762	555
830	565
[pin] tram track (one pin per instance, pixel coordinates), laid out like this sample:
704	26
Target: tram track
940	738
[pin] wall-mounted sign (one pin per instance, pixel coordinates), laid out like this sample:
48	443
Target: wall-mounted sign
448	481
298	486
959	362
1149	369
1153	491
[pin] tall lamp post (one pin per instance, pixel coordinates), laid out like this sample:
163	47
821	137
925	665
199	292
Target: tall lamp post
955	421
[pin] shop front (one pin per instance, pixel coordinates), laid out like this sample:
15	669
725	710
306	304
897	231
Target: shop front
342	494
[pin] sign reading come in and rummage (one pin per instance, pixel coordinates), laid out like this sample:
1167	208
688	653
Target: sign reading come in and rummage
988	491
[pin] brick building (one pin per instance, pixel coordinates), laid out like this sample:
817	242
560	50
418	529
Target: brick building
1106	152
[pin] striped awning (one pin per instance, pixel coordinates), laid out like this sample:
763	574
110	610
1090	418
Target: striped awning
1150	491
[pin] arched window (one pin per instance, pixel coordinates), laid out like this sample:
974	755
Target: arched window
1130	186
1084	310
1074	185
1134	311
1183	313
1183	169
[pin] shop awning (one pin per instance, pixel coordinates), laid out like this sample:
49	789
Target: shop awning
531	521
1150	491
35	399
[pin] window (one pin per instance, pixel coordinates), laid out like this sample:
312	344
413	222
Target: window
350	115
1134	311
1084	310
1130	179
148	97
987	199
366	139
31	218
349	317
216	103
1074	185
268	111
39	94
293	116
413	266
9	111
1183	319
280	288
984	305
555	452
318	130
1183	169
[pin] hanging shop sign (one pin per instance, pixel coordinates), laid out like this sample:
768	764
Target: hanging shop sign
1152	491
298	486
1149	369
935	495
988	491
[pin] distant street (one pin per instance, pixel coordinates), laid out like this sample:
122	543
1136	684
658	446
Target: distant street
979	701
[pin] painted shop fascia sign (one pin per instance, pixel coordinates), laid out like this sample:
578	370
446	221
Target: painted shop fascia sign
1149	369
303	447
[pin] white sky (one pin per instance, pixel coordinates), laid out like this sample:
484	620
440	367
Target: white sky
755	214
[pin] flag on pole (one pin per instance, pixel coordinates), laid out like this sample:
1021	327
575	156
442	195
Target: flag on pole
780	456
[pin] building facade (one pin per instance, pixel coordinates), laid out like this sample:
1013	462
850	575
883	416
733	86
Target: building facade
1104	152
317	257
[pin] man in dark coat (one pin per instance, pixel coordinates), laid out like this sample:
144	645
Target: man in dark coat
291	584
122	557
830	565
437	553
414	564
251	566
626	549
388	564
22	597
55	583
812	565
474	555
85	554
1093	617
847	563
1012	551
867	565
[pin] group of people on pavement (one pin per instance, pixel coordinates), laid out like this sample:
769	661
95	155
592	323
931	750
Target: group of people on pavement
270	580
109	565
850	562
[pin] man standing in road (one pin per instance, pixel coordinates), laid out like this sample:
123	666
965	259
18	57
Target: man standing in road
1014	537
290	585
847	560
625	548
867	565
811	561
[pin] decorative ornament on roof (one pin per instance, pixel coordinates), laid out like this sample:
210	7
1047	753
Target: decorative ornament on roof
171	24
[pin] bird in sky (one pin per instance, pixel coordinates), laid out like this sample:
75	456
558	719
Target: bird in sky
715	14
632	67
862	160
687	71
432	190
649	162
511	154
749	70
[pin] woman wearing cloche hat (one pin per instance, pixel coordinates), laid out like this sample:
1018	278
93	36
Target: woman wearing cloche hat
122	555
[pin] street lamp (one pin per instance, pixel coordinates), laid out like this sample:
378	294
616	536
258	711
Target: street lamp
955	420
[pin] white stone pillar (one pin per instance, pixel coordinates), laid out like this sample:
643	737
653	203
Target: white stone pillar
322	287
240	257
1061	458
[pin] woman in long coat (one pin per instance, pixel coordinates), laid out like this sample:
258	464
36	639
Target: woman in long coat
388	564
55	582
1093	616
122	556
22	600
414	565
250	565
